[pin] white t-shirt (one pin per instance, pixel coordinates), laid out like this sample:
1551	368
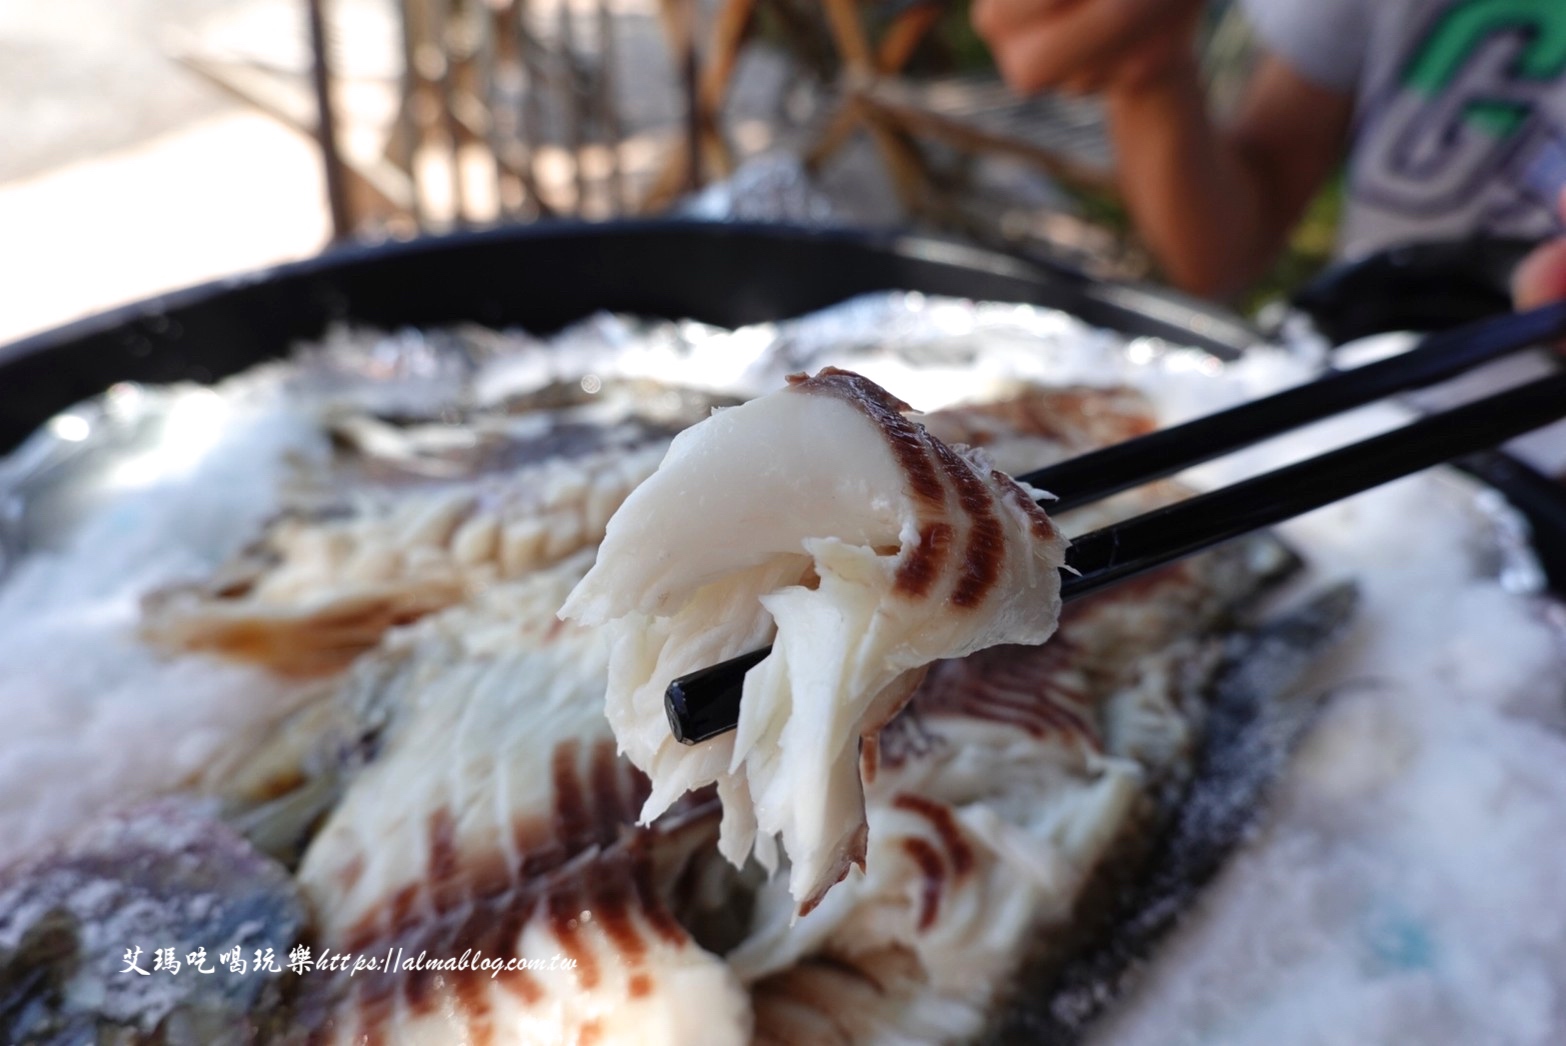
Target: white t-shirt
1460	110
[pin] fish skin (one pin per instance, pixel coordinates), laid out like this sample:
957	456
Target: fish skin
1255	718
164	874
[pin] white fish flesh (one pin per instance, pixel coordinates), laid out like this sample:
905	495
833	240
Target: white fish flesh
317	591
822	518
1015	782
497	819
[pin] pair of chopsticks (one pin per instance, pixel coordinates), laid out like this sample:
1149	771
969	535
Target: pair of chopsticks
705	703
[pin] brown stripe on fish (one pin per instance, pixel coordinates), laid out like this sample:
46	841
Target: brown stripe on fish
572	824
1036	689
794	997
1041	525
446	887
934	875
985	551
869	758
909	442
418	990
905	738
611	907
521	984
939	815
608	801
918	571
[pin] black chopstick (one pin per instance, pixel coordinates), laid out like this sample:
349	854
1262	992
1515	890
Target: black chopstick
1122	466
705	703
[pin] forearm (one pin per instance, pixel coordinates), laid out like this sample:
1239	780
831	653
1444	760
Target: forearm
1199	201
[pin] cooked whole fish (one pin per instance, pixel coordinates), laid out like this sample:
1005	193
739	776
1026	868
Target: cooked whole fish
455	787
869	546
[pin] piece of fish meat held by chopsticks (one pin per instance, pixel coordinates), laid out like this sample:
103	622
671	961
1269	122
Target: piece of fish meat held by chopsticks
823	519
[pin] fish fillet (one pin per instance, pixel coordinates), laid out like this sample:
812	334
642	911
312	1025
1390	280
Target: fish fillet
822	518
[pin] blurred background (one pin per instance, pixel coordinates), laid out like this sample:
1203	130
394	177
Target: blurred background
152	144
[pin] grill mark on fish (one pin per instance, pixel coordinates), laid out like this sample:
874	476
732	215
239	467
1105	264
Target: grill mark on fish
512	922
934	874
985	552
608	801
589	1033
1031	710
641	986
638	786
571	820
939	815
917	573
418	991
612	909
1039	523
1026	687
869	758
1083	416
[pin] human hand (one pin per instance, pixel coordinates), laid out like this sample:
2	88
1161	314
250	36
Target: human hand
1083	46
1541	278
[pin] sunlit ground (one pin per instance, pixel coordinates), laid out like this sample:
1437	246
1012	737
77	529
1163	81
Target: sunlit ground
124	174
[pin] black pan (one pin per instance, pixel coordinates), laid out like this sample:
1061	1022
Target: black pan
542	277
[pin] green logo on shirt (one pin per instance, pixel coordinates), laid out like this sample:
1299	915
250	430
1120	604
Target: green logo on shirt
1439	63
